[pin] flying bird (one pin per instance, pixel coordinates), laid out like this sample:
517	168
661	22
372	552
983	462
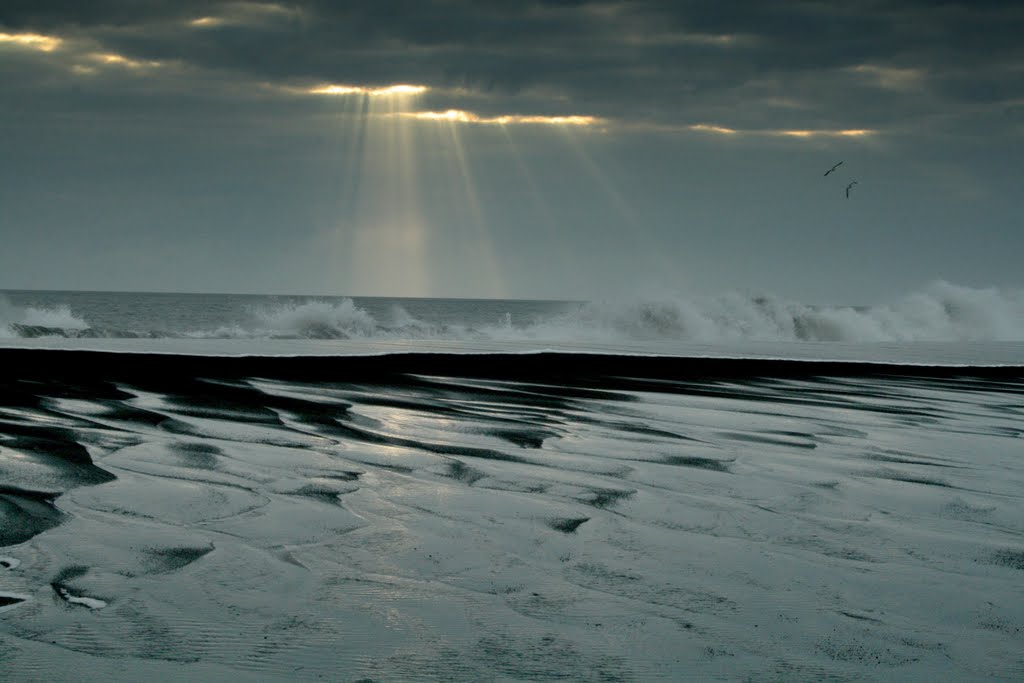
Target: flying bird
848	188
833	168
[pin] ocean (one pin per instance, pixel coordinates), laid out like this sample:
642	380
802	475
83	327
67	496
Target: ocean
939	312
734	487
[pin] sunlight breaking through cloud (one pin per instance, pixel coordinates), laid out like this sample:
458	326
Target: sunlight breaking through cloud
461	116
850	133
242	13
706	128
380	237
114	59
78	56
340	90
783	132
208	22
383	236
31	41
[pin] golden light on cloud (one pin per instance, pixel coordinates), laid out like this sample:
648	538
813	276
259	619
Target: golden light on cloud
335	90
207	22
708	128
114	59
551	120
240	13
461	116
338	90
450	115
783	132
31	41
850	133
75	55
400	89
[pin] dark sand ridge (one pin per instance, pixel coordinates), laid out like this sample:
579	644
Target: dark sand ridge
565	369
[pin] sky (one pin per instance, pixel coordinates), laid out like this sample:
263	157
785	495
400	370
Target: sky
545	149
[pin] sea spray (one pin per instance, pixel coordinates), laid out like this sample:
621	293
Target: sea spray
316	320
58	320
939	312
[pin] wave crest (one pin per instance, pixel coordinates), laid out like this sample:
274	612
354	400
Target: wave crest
318	320
939	312
37	322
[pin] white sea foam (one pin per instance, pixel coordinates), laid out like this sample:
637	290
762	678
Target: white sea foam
14	320
91	603
318	319
939	312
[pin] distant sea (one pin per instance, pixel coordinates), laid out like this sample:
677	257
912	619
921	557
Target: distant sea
940	323
246	316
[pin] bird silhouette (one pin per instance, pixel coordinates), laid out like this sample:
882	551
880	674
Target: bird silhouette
848	188
833	168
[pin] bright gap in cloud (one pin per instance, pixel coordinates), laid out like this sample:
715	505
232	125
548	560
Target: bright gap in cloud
208	22
847	133
240	13
782	132
74	54
707	128
31	41
114	59
339	90
461	116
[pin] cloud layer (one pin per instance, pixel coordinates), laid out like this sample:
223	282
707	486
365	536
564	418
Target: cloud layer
800	66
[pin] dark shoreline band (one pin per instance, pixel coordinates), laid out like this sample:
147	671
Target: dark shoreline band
553	367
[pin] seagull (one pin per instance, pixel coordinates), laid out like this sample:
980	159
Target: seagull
833	168
848	188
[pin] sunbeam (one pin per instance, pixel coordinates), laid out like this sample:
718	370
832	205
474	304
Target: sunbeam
465	214
339	218
387	237
478	224
461	116
377	237
540	202
630	222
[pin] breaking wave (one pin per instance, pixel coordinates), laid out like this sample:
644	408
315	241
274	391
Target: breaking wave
326	320
939	312
36	322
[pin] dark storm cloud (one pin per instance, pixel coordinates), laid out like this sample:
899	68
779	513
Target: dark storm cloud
745	64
